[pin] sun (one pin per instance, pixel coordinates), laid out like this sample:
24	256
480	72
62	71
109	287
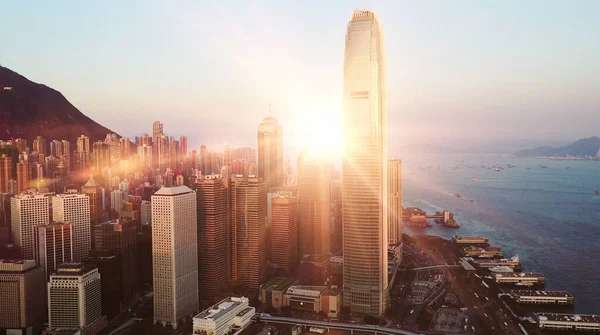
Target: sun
319	129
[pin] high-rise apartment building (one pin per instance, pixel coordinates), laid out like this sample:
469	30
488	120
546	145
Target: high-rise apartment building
270	152
74	208
365	167
40	146
394	201
314	214
183	146
27	212
6	172
211	195
284	230
23	176
74	299
83	144
22	295
54	246
248	230
174	254
119	237
101	156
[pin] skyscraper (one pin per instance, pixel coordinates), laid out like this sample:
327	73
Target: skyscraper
183	148
248	228
93	190
74	208
211	194
365	167
270	152
6	174
284	230
27	212
83	144
74	298
174	254
22	292
54	245
39	145
119	237
394	201
314	202
23	176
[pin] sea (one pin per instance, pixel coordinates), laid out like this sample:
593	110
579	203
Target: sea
545	211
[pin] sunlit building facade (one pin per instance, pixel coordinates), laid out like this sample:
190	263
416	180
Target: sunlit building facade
270	152
394	201
365	212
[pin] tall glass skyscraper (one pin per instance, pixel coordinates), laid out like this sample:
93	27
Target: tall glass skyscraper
364	206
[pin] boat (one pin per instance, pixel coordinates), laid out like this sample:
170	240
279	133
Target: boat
497	169
568	167
475	179
597	193
471	200
457	195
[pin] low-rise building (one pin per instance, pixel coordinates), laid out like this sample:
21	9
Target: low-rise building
230	316
314	298
542	297
271	292
574	322
519	278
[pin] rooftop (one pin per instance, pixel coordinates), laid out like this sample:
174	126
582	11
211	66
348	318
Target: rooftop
9	265
219	310
583	318
534	293
279	283
309	291
176	190
519	274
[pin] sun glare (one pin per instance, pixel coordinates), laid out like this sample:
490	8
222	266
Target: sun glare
319	130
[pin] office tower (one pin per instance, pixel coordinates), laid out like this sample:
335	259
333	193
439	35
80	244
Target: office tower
284	230
394	201
111	284
27	212
23	176
365	167
74	209
270	152
74	299
39	145
183	146
174	254
22	296
5	220
211	195
93	190
119	237
146	212
314	214
83	144
6	172
173	154
227	156
54	246
248	228
203	159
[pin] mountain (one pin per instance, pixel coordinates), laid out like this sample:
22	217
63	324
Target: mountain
583	147
29	109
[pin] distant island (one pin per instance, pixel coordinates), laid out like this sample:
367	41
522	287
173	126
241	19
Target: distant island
585	148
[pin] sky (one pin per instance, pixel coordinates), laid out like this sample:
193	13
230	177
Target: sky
459	73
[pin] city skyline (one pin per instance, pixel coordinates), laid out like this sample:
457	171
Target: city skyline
517	74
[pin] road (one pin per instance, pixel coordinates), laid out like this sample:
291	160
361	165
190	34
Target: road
333	325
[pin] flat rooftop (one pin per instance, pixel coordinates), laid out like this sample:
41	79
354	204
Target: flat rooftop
534	293
279	283
519	275
219	310
583	318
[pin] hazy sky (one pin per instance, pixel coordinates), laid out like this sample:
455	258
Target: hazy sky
459	72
